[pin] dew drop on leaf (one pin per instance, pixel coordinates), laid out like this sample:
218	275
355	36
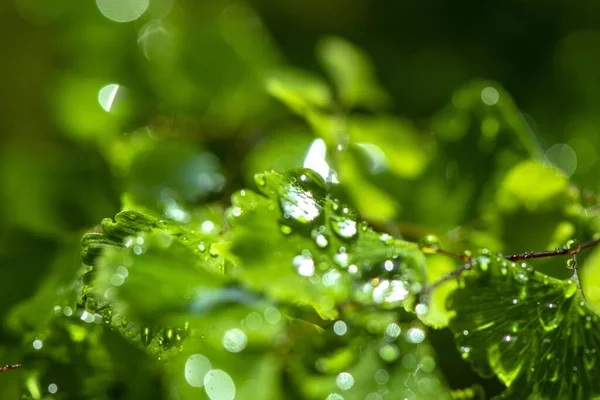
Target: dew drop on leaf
344	222
301	198
304	264
285	229
260	180
430	244
146	335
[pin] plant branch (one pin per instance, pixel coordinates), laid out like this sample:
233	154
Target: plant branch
468	261
9	367
565	251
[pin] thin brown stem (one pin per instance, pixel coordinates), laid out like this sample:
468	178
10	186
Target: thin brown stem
553	253
565	251
9	367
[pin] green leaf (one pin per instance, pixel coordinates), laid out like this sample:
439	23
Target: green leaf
299	245
374	203
137	254
495	111
537	334
532	185
389	143
353	74
299	90
374	356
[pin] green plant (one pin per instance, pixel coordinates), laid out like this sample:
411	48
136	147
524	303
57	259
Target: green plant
288	292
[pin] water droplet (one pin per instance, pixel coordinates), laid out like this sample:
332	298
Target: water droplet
341	257
219	385
344	223
389	352
335	396
382	376
421	309
202	247
213	251
52	388
389	291
38	344
331	277
521	277
392	331
285	229
340	328
321	241
344	381
235	340
146	335
508	338
415	335
209	226
167	338
253	321
304	264
465	352
490	96
260	180
301	199
571	244
272	315
571	263
386	238
430	244
196	368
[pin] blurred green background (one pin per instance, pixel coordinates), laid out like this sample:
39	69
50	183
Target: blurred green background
111	96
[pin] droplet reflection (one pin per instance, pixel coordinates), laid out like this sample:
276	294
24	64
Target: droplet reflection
107	95
196	368
52	388
122	10
219	385
235	340
344	380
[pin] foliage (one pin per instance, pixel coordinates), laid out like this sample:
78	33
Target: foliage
287	234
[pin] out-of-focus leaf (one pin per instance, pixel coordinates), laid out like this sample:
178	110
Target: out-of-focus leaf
374	203
34	179
172	176
487	107
532	185
389	143
434	313
283	151
299	90
537	334
353	74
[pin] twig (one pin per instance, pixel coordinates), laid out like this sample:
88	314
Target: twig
9	367
469	261
565	251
